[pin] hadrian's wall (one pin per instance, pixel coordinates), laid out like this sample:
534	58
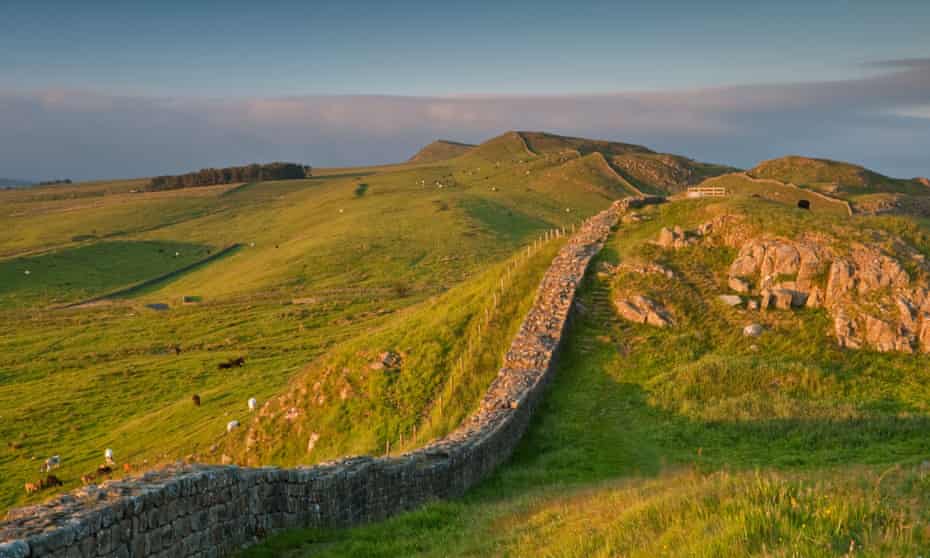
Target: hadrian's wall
211	511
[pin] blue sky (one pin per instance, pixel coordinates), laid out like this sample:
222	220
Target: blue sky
169	62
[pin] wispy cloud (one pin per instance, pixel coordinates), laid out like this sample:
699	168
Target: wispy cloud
878	120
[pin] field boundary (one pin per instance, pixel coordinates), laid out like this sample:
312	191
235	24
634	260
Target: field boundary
201	510
123	291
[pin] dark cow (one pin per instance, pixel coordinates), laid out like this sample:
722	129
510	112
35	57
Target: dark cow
232	363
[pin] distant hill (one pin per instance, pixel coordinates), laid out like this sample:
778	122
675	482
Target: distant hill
14	183
440	150
640	167
833	177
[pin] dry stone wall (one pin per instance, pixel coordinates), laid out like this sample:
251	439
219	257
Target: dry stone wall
210	511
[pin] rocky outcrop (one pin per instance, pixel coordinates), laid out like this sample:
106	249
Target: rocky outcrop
675	238
872	299
642	310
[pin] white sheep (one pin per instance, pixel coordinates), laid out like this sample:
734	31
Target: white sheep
232	425
253	404
52	462
108	456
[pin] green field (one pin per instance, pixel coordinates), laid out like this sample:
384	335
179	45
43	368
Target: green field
693	440
686	441
370	263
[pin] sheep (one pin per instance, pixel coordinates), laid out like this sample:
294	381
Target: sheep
232	425
253	404
108	456
52	462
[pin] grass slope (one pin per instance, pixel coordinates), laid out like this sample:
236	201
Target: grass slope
361	248
693	440
440	150
835	177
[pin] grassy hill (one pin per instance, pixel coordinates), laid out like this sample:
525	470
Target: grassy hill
833	177
690	440
694	440
644	169
366	253
440	150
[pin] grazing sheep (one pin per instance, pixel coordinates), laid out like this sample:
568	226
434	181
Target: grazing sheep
253	404
196	399
31	488
108	456
52	462
232	425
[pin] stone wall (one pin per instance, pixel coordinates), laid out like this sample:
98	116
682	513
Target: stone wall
210	511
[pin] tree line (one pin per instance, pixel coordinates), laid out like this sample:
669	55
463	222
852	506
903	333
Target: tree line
229	175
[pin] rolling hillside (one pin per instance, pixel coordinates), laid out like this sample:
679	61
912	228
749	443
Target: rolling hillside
323	263
695	439
440	150
351	295
833	177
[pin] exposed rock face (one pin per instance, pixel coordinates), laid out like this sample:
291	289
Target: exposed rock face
675	238
730	300
923	181
872	299
642	310
739	285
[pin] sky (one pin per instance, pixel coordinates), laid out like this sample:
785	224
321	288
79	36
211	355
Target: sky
101	89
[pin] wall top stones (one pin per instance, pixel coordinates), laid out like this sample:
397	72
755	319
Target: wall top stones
208	510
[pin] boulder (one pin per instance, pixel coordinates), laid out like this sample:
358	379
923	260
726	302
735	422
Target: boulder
675	237
730	300
781	299
846	331
642	310
814	298
885	336
738	284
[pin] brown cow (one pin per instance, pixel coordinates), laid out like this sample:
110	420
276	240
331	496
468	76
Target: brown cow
49	482
196	400
31	488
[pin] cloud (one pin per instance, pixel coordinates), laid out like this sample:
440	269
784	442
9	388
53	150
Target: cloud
878	120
